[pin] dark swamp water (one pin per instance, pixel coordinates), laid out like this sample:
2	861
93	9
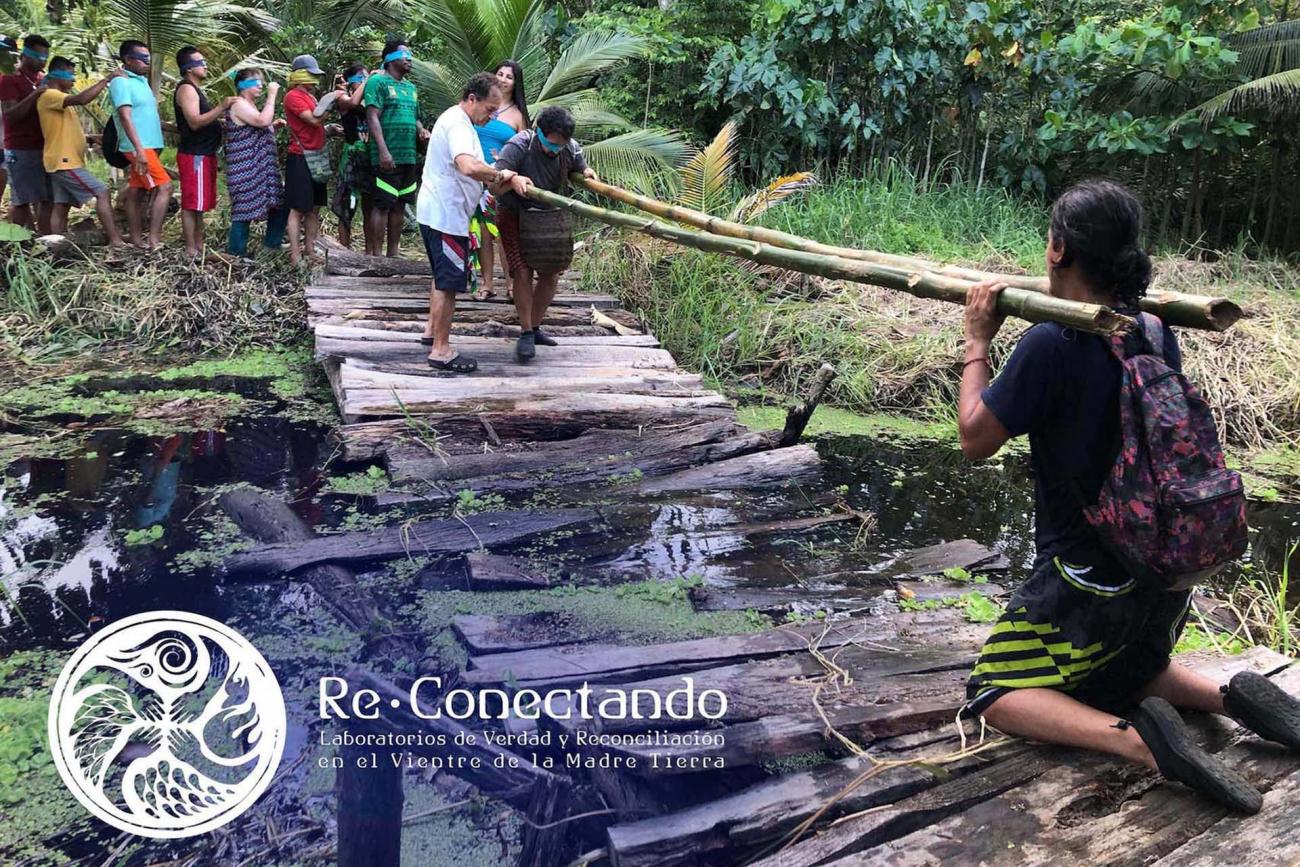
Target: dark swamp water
131	525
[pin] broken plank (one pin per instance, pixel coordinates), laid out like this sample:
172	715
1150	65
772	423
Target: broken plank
924	591
762	469
737	826
453	535
499	572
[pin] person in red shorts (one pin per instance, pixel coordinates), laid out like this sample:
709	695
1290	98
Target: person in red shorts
198	124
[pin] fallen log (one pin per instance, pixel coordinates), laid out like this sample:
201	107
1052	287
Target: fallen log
1175	308
447	536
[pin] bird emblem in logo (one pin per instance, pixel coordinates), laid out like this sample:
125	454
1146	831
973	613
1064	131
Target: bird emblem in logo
167	724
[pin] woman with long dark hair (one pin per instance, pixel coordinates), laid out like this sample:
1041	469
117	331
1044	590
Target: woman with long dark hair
511	118
1082	655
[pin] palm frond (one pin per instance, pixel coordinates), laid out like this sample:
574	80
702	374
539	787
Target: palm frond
773	194
1265	50
1277	94
1142	92
707	175
592	115
588	55
640	160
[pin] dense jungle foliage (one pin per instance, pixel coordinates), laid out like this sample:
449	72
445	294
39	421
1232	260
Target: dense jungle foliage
1193	102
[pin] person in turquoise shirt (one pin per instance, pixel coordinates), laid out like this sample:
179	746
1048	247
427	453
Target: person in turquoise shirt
140	139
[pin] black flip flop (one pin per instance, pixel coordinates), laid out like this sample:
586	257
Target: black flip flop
456	364
1181	759
427	341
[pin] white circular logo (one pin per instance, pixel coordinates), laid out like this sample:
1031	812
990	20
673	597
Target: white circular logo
167	724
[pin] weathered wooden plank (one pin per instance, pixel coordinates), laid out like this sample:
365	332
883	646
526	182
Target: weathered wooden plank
758	470
584	410
425	537
925	590
349	331
1087	811
670	383
775	600
411	289
1057	766
365	441
501	351
737	826
1271	838
414	462
607	663
470	312
603	473
415	323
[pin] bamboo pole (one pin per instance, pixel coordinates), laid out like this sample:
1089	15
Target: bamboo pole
1187	311
1013	301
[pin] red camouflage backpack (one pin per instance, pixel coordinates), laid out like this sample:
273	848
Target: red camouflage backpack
1169	510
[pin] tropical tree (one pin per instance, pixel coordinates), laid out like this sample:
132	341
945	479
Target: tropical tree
471	36
707	182
229	29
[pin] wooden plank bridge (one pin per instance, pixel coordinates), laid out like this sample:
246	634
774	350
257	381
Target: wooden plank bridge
838	745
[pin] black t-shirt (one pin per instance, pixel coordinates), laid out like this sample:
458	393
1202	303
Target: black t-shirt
354	124
204	141
1061	386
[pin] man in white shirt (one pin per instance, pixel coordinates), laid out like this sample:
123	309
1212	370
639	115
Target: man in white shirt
450	189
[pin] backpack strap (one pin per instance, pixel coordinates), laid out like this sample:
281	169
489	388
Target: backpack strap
1154	331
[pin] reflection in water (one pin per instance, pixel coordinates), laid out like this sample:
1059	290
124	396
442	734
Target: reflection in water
66	557
93	537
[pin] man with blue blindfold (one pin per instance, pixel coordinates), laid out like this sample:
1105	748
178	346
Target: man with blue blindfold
30	197
392	116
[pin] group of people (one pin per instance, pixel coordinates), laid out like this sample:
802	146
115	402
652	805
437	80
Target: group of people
482	155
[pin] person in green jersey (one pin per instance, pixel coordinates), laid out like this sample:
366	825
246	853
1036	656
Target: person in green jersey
392	105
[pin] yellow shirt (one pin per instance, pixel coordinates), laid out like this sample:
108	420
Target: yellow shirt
65	142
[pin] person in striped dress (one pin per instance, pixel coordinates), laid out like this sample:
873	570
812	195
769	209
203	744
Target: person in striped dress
253	164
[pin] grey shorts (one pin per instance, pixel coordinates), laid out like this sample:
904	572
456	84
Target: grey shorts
28	182
75	186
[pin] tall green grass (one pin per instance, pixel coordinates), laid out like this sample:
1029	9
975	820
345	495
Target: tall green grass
894	212
759	328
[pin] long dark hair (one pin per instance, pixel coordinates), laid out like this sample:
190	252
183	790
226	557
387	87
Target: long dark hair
517	96
1098	225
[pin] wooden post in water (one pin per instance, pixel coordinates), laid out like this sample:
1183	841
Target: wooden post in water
369	810
797	419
